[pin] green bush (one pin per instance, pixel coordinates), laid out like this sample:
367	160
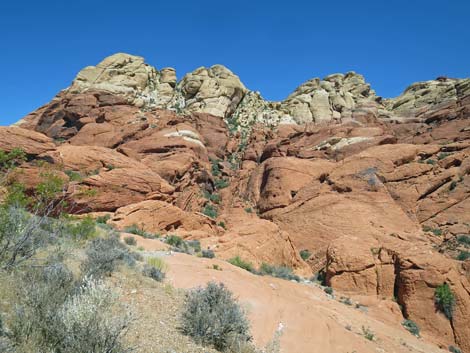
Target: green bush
464	240
20	236
73	175
463	255
237	261
194	244
9	160
305	254
174	240
82	229
454	349
411	326
445	300
208	254
56	313
328	290
443	155
437	231
215	168
130	241
104	255
134	229
212	316
278	271
154	273
210	211
368	334
103	219
221	183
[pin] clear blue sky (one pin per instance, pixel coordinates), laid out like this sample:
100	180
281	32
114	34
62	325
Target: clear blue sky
273	46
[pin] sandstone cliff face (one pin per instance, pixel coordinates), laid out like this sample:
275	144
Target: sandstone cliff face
376	190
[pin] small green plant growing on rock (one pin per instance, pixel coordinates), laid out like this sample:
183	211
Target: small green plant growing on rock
103	219
411	326
368	334
212	316
464	240
443	155
463	255
73	175
328	290
454	349
210	211
305	254
221	183
237	261
283	272
445	300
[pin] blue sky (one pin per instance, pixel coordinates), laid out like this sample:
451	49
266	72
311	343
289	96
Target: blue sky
273	46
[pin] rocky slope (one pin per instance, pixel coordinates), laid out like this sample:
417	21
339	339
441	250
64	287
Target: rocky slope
376	190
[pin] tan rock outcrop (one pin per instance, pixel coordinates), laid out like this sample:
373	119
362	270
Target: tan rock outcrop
31	142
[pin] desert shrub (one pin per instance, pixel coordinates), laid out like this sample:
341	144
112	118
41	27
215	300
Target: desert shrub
248	210
221	183
210	211
194	244
21	234
368	334
48	189
174	240
437	231
82	229
346	301
431	161
305	254
283	272
134	229
411	326
130	241
454	349
55	313
9	160
208	253
103	219
445	300
103	256
443	155
212	197
73	175
153	272
222	224
215	168
452	185
463	255
41	292
328	290
237	261
212	316
464	240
